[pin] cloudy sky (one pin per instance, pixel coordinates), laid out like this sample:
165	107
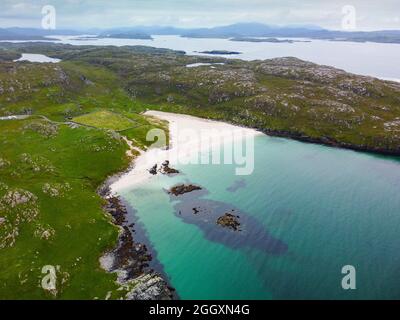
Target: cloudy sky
371	14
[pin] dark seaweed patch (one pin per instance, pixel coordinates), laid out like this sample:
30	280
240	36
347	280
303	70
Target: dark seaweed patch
238	184
194	208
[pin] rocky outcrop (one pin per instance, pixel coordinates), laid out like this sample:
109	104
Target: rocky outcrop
16	198
149	287
166	169
182	189
229	221
45	129
19	207
4	163
153	170
130	260
56	190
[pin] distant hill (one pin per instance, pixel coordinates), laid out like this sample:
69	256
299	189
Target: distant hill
9	35
248	30
237	31
260	30
32	33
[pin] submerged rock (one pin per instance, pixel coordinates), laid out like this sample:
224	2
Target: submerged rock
182	189
229	221
238	184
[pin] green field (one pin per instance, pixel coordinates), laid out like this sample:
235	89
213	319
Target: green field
106	120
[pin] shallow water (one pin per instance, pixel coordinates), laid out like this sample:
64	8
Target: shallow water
330	207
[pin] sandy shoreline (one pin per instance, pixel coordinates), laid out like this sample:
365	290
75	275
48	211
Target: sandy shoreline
186	141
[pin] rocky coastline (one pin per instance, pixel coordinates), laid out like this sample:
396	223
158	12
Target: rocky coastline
130	259
326	141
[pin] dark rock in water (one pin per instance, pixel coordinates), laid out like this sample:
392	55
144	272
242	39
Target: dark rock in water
166	169
135	261
153	170
182	189
229	221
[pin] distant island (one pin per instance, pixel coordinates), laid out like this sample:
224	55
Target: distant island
26	34
221	52
7	35
271	40
126	35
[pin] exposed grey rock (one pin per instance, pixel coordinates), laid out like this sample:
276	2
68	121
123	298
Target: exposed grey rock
18	197
150	287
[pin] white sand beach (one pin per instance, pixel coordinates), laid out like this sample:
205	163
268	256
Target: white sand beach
188	137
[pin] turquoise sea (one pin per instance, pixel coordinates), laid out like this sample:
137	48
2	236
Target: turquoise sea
306	211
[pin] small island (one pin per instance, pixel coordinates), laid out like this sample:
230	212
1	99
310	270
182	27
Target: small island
269	40
182	189
221	52
126	35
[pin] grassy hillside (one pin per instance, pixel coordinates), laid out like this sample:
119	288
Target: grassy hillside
50	169
62	223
